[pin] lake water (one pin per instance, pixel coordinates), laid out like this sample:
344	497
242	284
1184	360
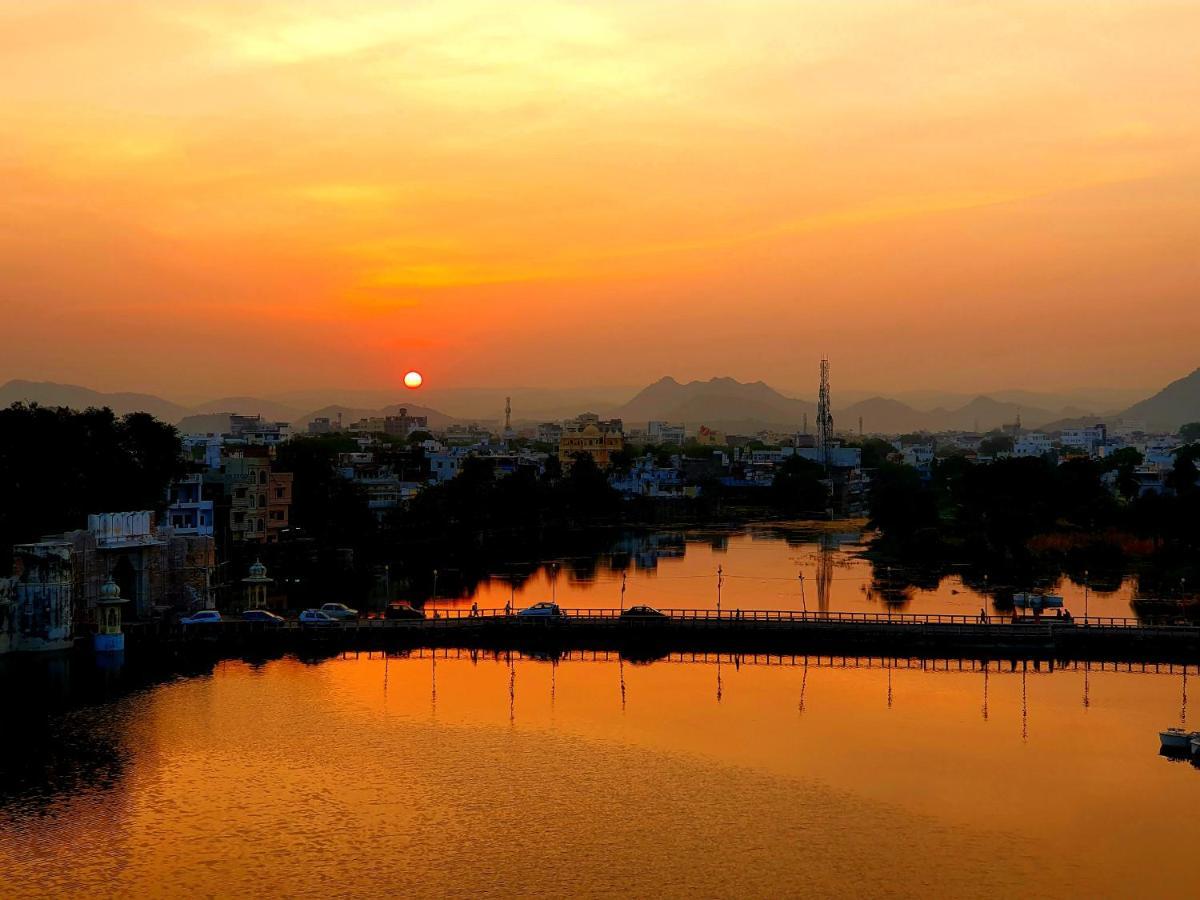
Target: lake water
761	566
457	775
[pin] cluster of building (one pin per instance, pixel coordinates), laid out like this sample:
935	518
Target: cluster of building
1097	441
58	583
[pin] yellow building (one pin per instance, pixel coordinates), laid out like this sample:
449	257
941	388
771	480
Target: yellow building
710	437
600	440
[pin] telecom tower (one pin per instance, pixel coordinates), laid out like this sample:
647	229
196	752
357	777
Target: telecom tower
508	432
824	416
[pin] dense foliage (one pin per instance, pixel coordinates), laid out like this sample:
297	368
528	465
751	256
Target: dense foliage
1016	518
58	465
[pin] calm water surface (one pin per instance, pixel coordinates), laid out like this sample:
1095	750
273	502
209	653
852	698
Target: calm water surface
424	776
761	566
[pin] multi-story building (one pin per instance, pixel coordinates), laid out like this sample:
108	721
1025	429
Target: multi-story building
1033	443
658	432
1087	439
258	498
549	433
188	510
593	436
256	430
56	582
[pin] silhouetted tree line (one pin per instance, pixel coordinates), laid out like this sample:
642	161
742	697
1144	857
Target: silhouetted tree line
58	465
1019	521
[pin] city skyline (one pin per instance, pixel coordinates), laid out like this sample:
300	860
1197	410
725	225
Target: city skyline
967	197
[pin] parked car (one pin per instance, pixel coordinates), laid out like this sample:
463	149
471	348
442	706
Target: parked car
201	617
543	609
339	611
403	611
317	618
643	612
266	617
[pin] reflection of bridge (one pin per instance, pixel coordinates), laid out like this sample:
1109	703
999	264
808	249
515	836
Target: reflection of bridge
966	665
763	632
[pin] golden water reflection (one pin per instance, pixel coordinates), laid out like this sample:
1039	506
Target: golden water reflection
761	568
458	774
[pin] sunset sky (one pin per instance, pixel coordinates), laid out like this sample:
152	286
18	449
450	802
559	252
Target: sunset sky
212	197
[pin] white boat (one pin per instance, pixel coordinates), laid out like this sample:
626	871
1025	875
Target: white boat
1177	738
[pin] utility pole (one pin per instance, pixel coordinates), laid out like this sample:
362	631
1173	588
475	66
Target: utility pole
622	592
803	601
720	579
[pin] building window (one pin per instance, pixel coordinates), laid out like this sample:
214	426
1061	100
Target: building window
278	493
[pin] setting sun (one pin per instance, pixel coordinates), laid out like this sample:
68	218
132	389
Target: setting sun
413	380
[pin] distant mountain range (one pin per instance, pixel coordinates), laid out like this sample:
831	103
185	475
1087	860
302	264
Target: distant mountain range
734	406
722	403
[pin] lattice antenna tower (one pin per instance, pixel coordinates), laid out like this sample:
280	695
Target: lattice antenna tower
824	415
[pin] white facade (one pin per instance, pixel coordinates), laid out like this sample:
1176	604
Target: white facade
1032	444
664	433
1089	439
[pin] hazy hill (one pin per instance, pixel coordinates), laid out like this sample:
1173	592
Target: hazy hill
719	403
47	393
882	415
1175	405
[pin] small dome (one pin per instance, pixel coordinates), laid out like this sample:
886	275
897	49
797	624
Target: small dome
110	591
258	570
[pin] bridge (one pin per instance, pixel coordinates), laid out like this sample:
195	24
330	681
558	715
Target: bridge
776	632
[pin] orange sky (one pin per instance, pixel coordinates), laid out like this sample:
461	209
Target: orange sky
207	197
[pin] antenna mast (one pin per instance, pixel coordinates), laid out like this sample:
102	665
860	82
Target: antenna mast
824	415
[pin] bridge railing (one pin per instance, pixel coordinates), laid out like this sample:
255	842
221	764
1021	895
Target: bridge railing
457	614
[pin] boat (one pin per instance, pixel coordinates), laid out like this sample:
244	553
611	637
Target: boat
1178	738
1196	746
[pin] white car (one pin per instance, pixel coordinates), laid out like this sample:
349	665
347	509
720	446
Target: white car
339	611
201	617
317	618
551	610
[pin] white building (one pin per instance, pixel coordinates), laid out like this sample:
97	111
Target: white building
658	432
1087	439
1033	443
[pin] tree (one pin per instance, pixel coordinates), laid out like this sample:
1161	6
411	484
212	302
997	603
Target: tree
58	465
1190	433
1182	477
798	489
1125	462
995	444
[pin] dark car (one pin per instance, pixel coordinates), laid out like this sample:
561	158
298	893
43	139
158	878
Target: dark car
403	611
263	616
643	612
